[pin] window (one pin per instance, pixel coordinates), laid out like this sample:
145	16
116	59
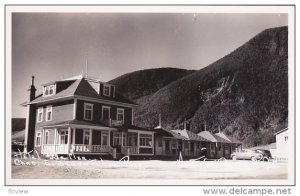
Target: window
49	113
286	138
38	138
117	139
145	140
212	147
104	138
106	90
39	115
120	114
46	137
86	137
49	90
105	112
174	144
63	137
88	111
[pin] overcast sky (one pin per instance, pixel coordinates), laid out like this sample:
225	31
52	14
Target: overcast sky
55	46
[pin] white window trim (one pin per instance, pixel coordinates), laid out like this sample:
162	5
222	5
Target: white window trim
151	140
49	86
37	137
119	137
49	108
105	107
86	132
109	90
40	110
123	112
46	132
92	108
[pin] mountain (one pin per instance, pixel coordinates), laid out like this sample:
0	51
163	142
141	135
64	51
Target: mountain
244	93
146	82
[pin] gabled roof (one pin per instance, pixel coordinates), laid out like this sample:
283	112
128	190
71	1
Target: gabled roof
189	135
167	133
208	136
81	87
221	137
282	130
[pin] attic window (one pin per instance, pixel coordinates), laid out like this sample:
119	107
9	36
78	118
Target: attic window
49	90
106	90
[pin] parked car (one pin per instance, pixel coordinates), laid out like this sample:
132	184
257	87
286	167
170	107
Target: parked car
247	154
265	153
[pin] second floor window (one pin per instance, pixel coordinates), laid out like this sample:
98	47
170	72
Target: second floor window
120	114
40	115
49	113
88	111
106	90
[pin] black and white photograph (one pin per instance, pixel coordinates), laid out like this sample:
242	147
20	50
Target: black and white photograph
150	95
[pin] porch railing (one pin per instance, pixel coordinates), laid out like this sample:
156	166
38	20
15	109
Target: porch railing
91	148
133	149
55	148
125	150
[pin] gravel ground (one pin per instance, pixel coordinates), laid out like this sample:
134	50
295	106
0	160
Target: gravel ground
150	169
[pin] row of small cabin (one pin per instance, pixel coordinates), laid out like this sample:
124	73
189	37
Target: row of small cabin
172	143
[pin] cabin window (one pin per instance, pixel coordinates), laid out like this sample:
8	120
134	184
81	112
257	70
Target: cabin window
198	145
40	115
106	90
145	140
49	113
46	137
49	90
120	114
63	137
117	139
38	138
88	111
86	137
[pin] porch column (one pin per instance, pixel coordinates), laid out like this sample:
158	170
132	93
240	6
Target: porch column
108	138
73	140
152	142
42	140
122	139
90	139
69	139
138	142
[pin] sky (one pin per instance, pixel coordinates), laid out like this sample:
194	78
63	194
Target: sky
54	46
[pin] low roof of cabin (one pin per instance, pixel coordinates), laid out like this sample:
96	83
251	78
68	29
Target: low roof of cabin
189	135
80	87
208	135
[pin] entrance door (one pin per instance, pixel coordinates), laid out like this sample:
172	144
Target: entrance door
117	141
167	145
104	138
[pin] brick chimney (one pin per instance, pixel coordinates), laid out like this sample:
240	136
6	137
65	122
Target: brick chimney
32	90
30	119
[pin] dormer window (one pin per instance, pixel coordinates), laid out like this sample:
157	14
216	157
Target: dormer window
106	90
49	90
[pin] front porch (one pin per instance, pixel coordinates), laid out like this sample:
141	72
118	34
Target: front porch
96	141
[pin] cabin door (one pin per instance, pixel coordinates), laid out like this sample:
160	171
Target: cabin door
167	145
